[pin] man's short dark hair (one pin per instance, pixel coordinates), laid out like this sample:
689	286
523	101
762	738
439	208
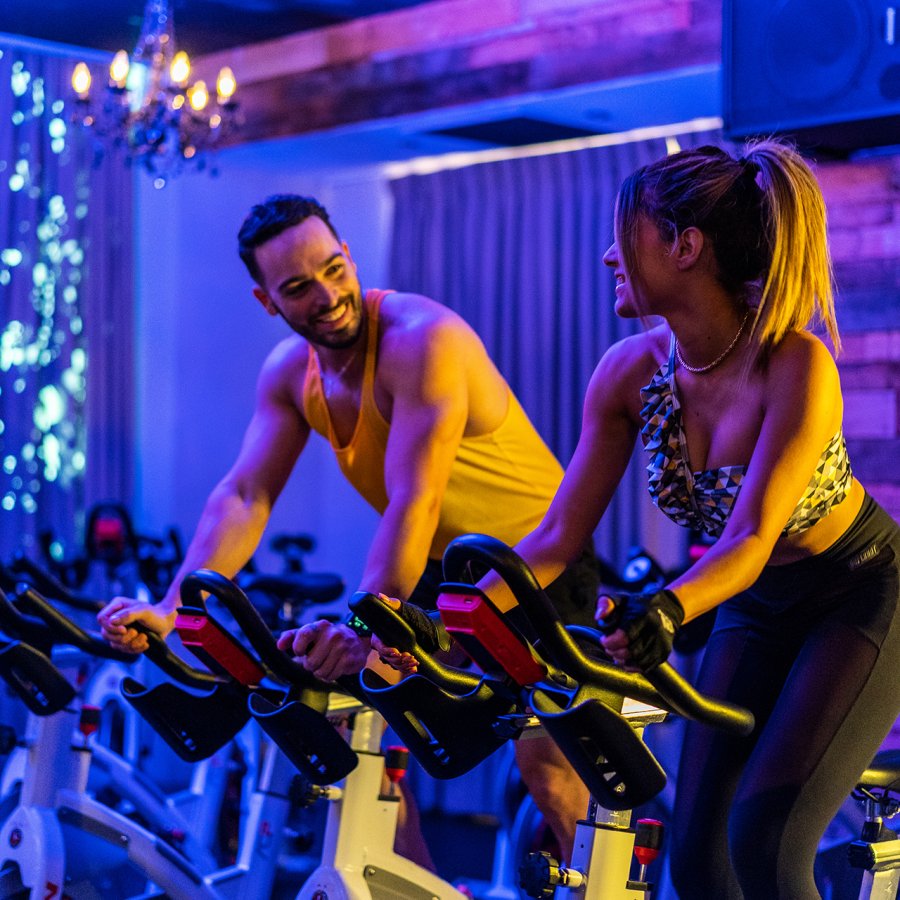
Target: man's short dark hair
268	219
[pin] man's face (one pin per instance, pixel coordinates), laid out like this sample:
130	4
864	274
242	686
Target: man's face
309	279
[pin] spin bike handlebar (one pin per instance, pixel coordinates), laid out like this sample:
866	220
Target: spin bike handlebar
51	624
248	619
45	625
50	586
660	686
276	662
40	584
395	632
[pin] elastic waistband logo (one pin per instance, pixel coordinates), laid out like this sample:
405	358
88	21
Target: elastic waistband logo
869	553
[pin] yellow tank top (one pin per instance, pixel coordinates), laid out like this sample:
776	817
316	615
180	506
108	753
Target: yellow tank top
501	483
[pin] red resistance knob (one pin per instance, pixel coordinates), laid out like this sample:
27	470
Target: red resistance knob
89	720
396	761
648	838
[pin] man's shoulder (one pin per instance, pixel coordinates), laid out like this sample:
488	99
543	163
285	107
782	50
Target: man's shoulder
414	316
287	359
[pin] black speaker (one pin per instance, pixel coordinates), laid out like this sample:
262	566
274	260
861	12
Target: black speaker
824	72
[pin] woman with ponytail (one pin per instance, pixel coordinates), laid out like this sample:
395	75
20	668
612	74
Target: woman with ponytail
737	403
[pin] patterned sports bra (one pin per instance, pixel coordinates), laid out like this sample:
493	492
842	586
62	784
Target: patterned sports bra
703	500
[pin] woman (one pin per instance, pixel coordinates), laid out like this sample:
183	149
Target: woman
739	408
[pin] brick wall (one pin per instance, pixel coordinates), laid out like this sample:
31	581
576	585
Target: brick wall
863	199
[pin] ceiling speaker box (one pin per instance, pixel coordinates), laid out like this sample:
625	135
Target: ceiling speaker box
824	72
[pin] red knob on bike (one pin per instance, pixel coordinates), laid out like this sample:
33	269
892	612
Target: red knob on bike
396	760
89	720
648	839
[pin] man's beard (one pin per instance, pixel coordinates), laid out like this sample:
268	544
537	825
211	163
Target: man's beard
337	340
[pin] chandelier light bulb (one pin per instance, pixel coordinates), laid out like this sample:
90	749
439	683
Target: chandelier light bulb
225	85
149	112
81	80
180	68
118	69
198	96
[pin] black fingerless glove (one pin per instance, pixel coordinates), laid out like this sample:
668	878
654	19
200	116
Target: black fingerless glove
650	622
430	632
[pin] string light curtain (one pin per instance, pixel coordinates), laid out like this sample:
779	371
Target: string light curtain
515	246
65	309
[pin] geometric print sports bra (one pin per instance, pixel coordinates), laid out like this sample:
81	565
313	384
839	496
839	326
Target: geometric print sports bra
704	500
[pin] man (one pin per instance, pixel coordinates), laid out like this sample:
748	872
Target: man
422	424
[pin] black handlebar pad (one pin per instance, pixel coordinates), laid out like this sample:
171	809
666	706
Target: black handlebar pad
194	725
33	678
50	586
662	686
449	719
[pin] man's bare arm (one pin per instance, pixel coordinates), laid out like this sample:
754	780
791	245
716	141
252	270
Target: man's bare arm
237	510
429	380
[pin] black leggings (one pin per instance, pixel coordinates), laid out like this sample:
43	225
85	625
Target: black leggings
814	650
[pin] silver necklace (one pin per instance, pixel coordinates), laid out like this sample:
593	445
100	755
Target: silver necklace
700	369
330	379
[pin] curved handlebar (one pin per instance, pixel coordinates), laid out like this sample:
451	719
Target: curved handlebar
59	629
63	630
251	623
395	632
662	685
50	586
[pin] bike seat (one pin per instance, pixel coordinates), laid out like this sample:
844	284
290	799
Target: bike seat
269	593
883	773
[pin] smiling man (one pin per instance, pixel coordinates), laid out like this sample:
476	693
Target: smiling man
423	426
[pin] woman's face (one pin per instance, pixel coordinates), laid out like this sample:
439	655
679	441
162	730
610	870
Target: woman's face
647	291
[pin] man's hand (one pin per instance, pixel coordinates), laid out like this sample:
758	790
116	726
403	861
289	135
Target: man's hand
325	649
121	612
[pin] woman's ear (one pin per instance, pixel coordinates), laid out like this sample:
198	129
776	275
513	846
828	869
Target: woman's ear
689	247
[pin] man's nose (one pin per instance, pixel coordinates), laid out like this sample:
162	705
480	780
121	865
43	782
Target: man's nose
326	294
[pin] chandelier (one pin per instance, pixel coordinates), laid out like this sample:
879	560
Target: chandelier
149	109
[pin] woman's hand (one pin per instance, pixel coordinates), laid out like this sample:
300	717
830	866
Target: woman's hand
404	663
639	629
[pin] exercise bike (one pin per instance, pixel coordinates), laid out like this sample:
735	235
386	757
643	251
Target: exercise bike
296	711
578	699
120	743
58	840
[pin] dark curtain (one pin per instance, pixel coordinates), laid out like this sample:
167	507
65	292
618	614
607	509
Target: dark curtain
515	247
66	366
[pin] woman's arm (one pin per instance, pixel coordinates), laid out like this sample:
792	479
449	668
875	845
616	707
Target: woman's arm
803	410
608	432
